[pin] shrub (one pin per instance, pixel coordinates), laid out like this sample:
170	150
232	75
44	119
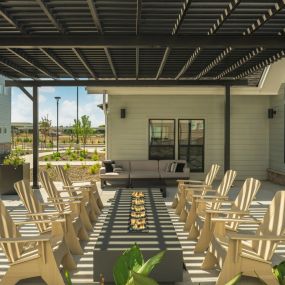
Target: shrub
74	156
68	151
13	159
83	153
95	157
81	158
46	158
94	169
66	166
48	165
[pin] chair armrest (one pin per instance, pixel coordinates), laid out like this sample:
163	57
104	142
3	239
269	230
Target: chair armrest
227	212
242	221
60	203
25	239
202	190
211	197
198	186
38	222
189	181
69	199
239	236
102	170
48	214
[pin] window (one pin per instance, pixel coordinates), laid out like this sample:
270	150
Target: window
191	143
5	130
161	139
0	130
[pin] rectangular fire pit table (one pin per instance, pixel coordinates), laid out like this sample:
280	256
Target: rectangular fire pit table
115	237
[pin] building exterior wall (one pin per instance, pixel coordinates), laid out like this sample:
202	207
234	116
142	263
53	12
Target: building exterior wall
128	138
276	150
5	117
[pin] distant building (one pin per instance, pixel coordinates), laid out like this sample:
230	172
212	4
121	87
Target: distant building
5	117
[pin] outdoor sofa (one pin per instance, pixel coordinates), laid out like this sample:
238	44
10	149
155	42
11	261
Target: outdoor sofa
130	171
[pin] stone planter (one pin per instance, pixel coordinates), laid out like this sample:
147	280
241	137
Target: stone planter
9	175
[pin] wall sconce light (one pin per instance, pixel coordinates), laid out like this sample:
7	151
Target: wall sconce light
123	113
271	113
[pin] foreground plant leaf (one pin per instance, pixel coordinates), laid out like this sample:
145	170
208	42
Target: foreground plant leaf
139	279
148	266
121	271
134	258
235	279
279	272
67	277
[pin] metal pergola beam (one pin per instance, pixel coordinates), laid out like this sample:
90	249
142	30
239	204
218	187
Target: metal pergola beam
30	61
138	16
278	7
122	83
48	13
179	20
141	41
57	61
83	60
10	20
15	67
224	16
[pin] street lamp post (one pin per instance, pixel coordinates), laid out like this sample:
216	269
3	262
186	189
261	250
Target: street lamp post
57	102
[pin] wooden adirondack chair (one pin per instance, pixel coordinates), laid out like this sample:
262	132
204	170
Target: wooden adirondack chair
186	187
250	254
227	219
32	256
72	228
202	202
75	204
88	190
192	207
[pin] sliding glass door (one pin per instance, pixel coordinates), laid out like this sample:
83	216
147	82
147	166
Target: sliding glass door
191	143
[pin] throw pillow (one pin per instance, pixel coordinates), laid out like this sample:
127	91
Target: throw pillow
118	169
173	167
108	165
179	167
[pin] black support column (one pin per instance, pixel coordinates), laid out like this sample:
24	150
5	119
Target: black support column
227	142
35	138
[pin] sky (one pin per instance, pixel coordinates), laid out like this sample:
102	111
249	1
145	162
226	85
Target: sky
22	105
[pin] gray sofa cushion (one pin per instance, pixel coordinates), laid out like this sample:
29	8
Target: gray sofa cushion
144	165
115	175
125	164
163	164
174	175
142	174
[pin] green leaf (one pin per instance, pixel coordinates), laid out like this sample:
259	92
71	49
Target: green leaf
67	277
148	266
121	271
235	279
279	272
134	258
140	279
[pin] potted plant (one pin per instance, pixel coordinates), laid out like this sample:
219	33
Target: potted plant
12	170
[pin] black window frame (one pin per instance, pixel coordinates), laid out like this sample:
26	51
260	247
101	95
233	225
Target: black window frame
149	139
194	145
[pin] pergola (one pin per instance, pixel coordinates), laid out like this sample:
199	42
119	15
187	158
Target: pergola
138	43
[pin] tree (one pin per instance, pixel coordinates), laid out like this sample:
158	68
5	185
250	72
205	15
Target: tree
76	128
45	125
85	128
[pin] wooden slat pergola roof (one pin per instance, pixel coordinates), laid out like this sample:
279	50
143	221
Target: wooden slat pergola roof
141	39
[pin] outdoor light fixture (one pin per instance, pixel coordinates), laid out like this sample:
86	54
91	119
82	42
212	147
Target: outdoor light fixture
57	101
271	113
123	113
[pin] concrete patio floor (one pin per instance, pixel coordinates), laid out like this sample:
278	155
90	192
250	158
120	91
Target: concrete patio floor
194	275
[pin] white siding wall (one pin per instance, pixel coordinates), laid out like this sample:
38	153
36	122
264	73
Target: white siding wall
128	138
276	157
5	112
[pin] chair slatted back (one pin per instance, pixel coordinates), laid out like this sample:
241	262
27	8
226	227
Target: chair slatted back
224	187
9	230
65	179
31	203
63	175
243	200
273	224
211	175
50	188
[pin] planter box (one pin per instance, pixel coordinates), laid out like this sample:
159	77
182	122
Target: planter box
9	175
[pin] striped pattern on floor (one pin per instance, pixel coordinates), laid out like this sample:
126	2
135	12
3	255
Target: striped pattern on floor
194	275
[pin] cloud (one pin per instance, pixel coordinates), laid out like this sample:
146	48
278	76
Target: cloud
47	89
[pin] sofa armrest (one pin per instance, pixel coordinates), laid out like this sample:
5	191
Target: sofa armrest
102	170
